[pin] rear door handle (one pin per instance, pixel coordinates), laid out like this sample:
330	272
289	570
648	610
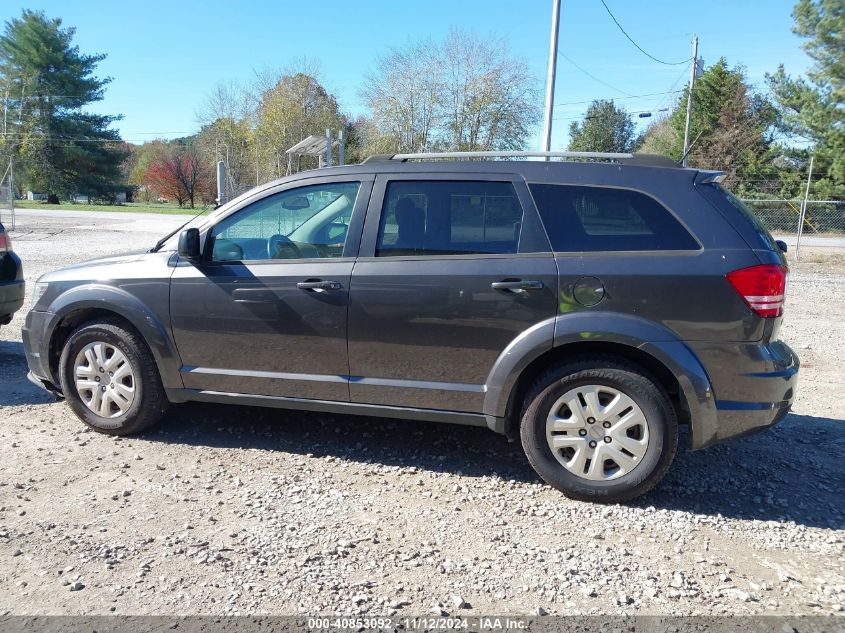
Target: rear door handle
318	285
518	286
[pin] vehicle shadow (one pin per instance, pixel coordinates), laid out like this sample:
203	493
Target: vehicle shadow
757	477
15	389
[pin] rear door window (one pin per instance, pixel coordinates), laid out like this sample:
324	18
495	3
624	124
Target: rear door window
580	219
449	217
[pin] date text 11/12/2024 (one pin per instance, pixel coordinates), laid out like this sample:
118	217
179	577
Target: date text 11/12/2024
423	623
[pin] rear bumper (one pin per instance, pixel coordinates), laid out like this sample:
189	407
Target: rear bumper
753	385
11	299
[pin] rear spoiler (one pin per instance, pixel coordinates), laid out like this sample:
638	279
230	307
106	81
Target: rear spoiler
710	177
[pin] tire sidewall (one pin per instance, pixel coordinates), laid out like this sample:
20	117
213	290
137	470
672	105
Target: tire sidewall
641	391
78	340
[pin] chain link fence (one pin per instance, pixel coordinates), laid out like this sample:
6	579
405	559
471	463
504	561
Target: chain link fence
824	221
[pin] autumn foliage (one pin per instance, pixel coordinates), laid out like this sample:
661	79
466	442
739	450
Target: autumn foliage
176	172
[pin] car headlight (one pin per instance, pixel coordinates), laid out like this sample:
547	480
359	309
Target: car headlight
37	292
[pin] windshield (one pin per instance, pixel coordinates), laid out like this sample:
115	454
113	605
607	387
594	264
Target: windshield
170	241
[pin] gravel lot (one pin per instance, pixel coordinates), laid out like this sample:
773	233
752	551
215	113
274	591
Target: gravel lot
230	510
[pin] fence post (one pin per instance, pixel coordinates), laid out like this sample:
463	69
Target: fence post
328	147
12	188
221	183
803	212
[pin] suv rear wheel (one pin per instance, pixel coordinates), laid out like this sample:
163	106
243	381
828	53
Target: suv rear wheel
109	378
599	429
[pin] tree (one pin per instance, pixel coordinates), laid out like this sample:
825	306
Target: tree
227	135
464	93
731	129
605	128
404	95
814	108
178	173
296	107
61	148
138	166
489	99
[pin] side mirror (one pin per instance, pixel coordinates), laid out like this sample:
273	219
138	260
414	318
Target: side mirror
781	245
189	245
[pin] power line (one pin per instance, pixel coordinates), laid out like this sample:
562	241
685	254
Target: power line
572	118
630	39
648	94
594	78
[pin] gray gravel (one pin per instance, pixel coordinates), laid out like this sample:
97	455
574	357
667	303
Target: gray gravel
230	510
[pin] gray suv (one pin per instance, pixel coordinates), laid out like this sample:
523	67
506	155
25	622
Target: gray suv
589	307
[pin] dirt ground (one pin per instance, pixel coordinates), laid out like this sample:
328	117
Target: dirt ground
229	510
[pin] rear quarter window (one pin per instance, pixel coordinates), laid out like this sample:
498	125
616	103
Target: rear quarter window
580	219
740	216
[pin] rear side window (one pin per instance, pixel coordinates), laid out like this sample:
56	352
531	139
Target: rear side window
753	230
579	219
449	218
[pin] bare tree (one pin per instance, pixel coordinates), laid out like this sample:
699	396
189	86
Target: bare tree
490	100
465	93
404	95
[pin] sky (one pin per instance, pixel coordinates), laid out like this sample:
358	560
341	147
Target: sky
166	56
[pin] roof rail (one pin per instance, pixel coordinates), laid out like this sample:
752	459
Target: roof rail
511	154
645	160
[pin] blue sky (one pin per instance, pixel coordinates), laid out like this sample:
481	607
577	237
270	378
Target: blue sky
165	56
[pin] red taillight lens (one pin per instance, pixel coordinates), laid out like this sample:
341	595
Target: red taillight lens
762	287
5	242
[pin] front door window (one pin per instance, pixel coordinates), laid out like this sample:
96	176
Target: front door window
304	223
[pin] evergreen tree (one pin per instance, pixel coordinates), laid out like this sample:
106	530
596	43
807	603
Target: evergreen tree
731	130
60	147
814	108
605	128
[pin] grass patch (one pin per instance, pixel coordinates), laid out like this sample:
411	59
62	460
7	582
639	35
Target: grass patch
129	207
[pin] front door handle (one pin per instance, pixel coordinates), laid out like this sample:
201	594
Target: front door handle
318	285
518	286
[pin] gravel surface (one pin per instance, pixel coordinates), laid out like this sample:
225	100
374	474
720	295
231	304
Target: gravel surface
231	510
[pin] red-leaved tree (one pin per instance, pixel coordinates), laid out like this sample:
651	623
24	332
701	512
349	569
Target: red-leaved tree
177	173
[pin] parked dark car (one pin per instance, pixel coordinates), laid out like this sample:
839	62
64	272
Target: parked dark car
11	279
588	307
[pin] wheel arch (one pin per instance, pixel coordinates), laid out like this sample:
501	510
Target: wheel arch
90	304
570	351
675	368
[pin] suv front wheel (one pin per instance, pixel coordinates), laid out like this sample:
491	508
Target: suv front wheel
599	429
109	378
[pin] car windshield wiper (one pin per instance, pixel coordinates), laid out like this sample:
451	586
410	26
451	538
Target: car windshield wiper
161	242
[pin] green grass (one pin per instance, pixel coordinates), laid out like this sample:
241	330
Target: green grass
129	207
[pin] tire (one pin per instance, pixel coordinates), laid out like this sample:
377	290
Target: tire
125	415
642	429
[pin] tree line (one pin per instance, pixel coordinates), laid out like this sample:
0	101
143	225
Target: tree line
463	92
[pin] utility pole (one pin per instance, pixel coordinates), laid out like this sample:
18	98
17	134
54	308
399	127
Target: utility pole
803	214
692	73
550	78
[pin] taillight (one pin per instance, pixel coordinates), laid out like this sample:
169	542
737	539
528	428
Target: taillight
5	242
762	287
